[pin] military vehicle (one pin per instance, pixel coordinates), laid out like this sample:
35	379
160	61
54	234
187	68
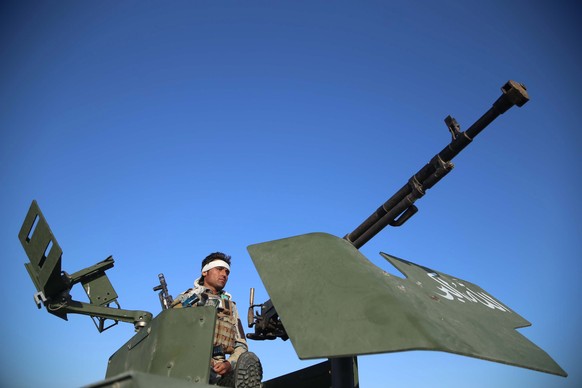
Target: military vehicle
427	310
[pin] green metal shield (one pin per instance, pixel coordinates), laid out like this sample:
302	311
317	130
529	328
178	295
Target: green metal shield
334	302
177	343
44	253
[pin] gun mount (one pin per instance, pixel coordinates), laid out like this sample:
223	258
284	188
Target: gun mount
53	285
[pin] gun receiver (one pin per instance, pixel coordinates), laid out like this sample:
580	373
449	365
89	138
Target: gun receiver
267	324
400	207
53	285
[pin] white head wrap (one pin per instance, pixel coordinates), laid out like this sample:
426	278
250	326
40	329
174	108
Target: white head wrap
214	264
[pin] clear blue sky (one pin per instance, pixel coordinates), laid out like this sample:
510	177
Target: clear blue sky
158	132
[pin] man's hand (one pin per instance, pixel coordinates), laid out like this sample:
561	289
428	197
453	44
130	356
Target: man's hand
222	368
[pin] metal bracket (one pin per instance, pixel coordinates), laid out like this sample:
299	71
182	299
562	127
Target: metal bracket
453	126
100	321
39	299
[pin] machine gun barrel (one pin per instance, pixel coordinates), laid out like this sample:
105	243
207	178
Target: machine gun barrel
400	207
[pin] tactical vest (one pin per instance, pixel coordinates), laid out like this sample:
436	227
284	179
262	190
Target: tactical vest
225	329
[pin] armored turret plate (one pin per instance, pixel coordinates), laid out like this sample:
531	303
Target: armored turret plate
334	302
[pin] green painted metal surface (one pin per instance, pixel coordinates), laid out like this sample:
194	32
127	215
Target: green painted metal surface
177	343
43	251
133	379
334	302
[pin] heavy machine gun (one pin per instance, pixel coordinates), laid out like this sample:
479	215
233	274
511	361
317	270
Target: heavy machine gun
400	207
408	314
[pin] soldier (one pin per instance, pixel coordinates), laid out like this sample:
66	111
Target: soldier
242	368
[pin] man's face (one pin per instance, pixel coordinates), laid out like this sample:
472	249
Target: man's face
216	278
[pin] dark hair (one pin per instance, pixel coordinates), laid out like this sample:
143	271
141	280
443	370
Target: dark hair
215	256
